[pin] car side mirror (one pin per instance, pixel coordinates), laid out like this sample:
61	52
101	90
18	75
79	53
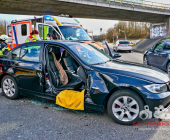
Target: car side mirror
116	55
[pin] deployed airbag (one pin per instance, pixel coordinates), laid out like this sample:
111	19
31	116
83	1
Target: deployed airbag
71	99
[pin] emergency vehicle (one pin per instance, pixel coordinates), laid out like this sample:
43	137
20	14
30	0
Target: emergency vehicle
66	28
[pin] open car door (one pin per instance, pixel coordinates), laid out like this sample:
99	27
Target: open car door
44	29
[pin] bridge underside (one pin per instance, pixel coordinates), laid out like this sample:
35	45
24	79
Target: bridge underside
54	7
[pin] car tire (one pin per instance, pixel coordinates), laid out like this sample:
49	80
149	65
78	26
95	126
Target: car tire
10	87
122	112
168	68
130	51
145	61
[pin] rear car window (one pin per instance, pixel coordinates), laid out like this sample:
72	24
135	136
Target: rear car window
30	53
15	54
124	42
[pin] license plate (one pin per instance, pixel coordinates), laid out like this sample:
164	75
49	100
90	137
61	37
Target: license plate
124	45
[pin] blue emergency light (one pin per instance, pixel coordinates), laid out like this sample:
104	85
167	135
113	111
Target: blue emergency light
49	18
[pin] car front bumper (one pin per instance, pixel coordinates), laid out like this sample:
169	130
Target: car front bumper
155	100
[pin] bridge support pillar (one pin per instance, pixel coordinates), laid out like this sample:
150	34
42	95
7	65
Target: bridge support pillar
168	27
160	30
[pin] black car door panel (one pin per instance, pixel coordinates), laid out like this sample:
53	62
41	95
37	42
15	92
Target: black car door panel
153	56
28	76
161	58
28	68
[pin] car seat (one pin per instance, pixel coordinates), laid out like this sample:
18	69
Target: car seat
68	63
74	81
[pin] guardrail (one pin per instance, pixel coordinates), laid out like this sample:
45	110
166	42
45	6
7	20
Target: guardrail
144	3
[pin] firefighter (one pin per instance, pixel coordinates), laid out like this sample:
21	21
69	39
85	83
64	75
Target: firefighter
3	44
34	36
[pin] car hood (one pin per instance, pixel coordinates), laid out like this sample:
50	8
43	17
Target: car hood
134	70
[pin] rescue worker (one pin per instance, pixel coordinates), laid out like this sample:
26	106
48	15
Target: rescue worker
49	36
34	36
55	36
3	44
52	36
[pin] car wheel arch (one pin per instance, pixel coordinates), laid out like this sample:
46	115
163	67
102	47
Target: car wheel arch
144	56
2	76
120	88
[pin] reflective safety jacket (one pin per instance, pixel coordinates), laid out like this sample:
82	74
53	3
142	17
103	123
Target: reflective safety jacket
3	48
31	38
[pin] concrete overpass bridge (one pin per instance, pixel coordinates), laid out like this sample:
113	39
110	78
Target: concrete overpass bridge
126	10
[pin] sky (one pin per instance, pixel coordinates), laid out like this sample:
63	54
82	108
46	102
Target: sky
90	24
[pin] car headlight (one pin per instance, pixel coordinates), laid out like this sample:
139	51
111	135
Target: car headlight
157	88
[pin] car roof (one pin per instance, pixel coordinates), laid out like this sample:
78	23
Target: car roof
57	42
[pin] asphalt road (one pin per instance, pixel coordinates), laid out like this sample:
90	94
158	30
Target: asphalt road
132	57
126	56
35	119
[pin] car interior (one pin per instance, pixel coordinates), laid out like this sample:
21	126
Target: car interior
75	73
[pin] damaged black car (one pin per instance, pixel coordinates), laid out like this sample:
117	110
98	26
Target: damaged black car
77	76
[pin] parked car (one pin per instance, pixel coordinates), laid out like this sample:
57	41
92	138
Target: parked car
159	56
121	87
122	45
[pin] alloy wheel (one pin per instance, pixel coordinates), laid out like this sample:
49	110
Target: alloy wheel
125	108
9	87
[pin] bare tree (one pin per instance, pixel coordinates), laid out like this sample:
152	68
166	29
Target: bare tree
134	30
102	37
2	27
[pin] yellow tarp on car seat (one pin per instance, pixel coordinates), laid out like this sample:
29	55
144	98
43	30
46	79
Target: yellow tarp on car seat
71	99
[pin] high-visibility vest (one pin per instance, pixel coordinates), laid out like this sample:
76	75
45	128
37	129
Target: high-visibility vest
4	50
31	38
9	45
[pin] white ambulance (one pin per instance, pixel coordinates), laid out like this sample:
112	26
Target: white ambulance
66	28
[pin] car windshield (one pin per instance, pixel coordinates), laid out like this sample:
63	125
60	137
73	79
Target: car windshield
74	33
124	42
89	54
